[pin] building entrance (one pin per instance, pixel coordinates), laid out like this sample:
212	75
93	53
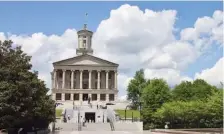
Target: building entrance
85	97
90	116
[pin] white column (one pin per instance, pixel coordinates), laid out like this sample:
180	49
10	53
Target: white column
63	97
90	95
80	97
80	78
55	81
90	77
107	72
107	97
72	79
98	80
72	97
115	80
63	79
115	97
53	96
98	97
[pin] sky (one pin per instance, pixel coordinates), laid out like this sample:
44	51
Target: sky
175	41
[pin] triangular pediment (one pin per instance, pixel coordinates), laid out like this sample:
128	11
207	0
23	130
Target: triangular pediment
85	60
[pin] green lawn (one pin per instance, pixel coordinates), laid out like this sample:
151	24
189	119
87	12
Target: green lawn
58	112
136	113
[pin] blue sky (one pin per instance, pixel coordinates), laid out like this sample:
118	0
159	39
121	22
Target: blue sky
56	17
27	18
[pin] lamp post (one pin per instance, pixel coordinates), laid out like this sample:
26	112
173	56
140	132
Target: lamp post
55	105
125	112
140	106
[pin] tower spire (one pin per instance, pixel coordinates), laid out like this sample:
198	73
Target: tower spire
86	19
84	40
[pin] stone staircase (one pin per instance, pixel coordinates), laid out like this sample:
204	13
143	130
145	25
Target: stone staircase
72	125
119	126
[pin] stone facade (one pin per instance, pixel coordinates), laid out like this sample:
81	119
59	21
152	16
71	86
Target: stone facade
85	76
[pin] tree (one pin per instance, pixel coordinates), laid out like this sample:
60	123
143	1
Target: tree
183	91
201	89
23	99
192	114
154	95
196	90
135	87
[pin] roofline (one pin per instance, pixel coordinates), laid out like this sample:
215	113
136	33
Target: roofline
83	30
91	65
54	63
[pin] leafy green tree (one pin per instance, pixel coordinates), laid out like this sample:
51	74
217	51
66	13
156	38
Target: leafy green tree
183	91
135	87
23	99
154	95
192	114
196	90
201	89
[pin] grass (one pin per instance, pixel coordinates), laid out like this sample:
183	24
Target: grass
136	113
58	112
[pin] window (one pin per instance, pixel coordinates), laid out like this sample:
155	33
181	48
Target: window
102	97
84	36
67	96
95	85
85	86
76	96
111	97
60	75
58	96
94	97
110	76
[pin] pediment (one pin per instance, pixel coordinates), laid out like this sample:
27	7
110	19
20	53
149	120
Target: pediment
85	60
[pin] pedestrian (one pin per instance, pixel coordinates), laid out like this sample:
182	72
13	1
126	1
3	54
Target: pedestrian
68	118
97	106
166	126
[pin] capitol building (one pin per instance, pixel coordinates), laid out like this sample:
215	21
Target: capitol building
84	77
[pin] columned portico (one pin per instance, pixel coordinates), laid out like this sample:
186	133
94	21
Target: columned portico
98	79
115	79
63	79
90	78
81	71
55	79
72	79
107	79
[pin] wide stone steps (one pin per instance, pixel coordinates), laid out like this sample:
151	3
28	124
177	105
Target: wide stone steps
119	126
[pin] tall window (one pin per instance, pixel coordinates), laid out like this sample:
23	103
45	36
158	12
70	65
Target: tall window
67	96
60	75
84	43
76	96
111	97
94	97
102	97
58	96
110	76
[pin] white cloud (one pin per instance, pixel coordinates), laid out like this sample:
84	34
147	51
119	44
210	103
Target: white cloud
213	75
123	98
205	31
172	76
133	38
123	81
